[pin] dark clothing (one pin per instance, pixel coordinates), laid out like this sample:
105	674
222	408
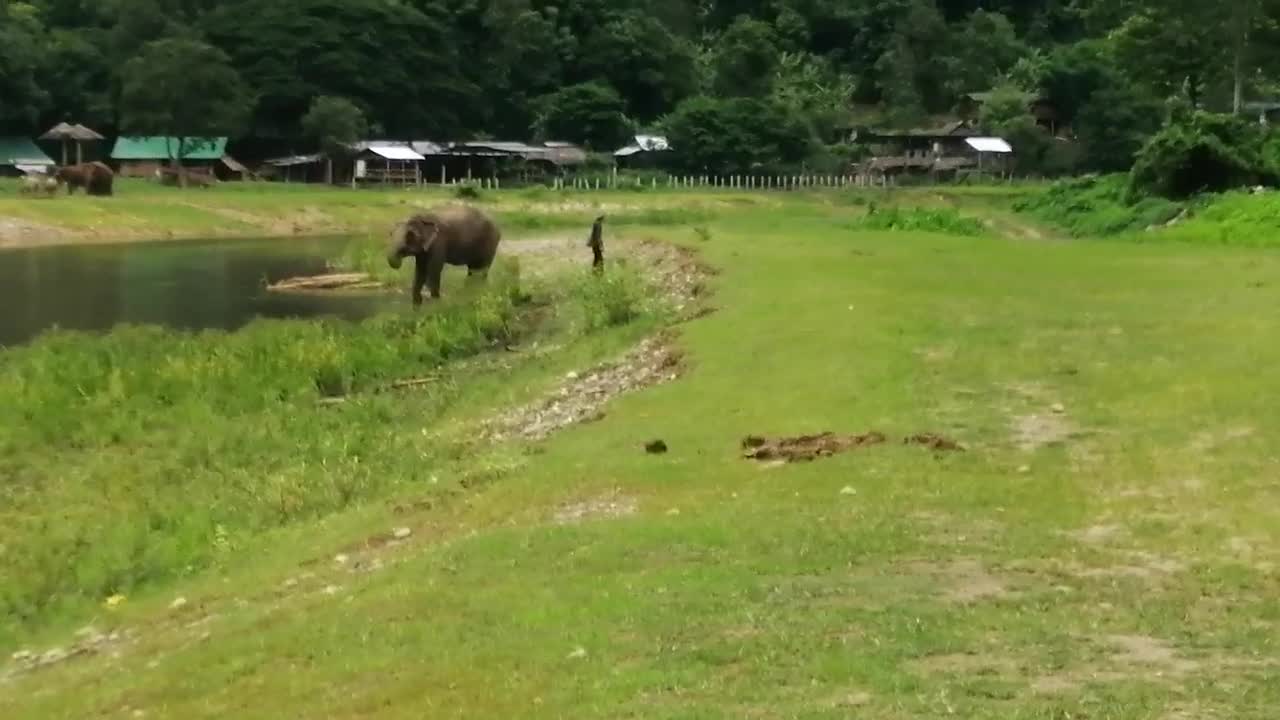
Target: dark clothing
596	243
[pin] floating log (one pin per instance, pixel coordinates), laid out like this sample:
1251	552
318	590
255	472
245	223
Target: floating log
331	281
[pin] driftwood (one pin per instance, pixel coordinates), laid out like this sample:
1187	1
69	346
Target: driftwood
332	281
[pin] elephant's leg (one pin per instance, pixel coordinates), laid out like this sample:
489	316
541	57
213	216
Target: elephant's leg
435	266
419	278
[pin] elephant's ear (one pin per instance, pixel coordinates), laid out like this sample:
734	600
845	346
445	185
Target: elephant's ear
423	232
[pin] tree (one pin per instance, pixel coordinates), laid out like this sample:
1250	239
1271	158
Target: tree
398	62
1007	114
184	89
1198	152
21	59
746	58
811	87
983	48
335	124
649	67
736	135
589	113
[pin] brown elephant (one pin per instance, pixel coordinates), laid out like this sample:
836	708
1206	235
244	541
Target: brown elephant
95	177
456	235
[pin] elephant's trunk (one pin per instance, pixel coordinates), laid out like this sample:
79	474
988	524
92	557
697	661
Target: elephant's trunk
395	252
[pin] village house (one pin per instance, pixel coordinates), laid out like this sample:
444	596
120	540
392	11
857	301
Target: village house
150	157
20	156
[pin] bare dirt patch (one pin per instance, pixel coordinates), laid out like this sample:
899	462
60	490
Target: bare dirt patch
614	506
965	664
582	397
934	442
805	448
1038	430
23	233
1145	651
89	640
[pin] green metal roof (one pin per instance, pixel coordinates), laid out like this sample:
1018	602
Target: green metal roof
162	148
22	151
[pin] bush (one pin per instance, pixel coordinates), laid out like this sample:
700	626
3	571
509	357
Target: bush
607	299
1200	152
1096	206
467	191
921	220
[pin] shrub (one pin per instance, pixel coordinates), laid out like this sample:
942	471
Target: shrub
607	299
1200	152
1096	206
467	191
921	220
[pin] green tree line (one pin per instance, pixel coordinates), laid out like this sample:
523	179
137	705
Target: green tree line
736	84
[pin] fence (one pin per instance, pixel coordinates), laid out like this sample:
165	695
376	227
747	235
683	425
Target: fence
674	182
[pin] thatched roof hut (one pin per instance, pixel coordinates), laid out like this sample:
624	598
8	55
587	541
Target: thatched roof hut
68	133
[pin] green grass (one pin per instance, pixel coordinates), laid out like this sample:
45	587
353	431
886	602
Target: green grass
142	210
1096	207
202	440
1105	548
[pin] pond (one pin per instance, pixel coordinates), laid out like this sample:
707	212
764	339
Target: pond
180	284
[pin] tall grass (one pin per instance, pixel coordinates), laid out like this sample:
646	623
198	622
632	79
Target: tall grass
919	219
1096	207
145	453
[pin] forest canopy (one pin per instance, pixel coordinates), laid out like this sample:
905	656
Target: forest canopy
790	77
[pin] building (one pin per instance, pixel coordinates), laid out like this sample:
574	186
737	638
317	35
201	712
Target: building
939	153
1267	112
20	156
387	162
153	157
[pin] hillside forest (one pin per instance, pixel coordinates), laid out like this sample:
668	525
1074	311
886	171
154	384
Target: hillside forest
735	84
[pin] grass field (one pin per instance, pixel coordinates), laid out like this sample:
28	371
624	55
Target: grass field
1107	544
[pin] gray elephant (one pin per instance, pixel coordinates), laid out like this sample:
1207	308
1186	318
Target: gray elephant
456	235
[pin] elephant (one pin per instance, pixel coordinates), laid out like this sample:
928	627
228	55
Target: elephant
95	177
456	235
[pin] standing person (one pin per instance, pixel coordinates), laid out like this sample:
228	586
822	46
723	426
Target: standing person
596	243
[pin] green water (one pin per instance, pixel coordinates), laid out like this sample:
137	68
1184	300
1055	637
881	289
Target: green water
187	284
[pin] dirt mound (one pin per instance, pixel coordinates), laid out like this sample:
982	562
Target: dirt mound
805	448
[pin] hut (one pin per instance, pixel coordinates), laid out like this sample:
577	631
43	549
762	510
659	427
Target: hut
20	156
149	156
66	133
387	162
310	168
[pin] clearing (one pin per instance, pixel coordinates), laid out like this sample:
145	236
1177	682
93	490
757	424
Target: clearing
1105	545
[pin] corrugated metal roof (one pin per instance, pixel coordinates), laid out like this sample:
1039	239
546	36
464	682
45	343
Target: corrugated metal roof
22	151
163	148
426	147
989	144
644	143
395	152
295	160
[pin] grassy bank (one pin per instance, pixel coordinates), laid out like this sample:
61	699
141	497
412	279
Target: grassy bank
146	211
1106	545
146	453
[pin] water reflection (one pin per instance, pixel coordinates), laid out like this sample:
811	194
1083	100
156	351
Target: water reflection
190	285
